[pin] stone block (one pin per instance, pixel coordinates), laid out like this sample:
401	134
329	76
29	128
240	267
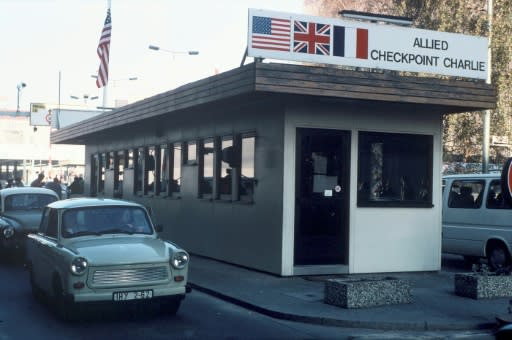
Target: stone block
366	292
483	286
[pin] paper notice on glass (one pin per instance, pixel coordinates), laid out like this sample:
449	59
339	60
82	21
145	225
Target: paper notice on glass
322	182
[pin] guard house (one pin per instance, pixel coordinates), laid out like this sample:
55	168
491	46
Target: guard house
285	168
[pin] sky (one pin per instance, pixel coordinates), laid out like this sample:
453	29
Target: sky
45	40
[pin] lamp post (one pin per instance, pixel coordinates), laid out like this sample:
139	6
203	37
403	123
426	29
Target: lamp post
174	53
86	97
20	86
486	116
114	81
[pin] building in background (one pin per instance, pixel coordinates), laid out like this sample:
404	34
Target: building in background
25	151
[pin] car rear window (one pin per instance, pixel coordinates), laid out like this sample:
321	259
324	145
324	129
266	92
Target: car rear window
27	201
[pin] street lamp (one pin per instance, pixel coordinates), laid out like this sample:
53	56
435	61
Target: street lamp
85	96
20	86
389	19
115	80
157	48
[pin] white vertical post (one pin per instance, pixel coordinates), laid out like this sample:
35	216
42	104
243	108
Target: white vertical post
487	113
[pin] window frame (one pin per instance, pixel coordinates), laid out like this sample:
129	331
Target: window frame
477	201
239	142
500	202
176	162
202	193
138	167
191	152
407	184
224	166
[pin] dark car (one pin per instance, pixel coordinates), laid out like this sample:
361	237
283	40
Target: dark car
20	214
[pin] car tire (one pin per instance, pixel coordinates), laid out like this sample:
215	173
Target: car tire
498	256
64	309
170	307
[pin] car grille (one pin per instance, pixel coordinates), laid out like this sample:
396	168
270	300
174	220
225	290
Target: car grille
118	277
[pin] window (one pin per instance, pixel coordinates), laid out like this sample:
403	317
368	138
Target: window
129	161
53	224
394	170
163	179
139	168
226	167
466	194
176	169
495	199
119	173
149	170
110	160
25	202
191	156
105	220
94	174
206	168
44	221
103	164
247	180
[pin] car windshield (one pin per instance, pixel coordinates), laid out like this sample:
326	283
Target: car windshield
18	202
105	220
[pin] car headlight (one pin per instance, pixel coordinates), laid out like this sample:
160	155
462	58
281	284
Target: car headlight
179	260
8	232
79	266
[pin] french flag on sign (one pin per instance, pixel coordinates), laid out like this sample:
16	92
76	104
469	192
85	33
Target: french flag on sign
350	42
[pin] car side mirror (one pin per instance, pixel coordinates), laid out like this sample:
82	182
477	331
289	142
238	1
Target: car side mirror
159	228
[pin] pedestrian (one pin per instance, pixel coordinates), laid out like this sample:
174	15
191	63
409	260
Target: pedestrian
10	183
18	182
38	182
55	186
80	184
76	187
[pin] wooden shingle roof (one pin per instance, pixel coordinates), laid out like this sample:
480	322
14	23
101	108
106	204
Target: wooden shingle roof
258	79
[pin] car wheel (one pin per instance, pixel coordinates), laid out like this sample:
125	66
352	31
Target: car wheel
170	307
498	257
64	309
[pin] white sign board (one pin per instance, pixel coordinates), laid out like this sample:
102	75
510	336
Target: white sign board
47	115
40	114
62	118
285	36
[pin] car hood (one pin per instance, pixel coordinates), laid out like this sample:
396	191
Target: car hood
27	220
114	250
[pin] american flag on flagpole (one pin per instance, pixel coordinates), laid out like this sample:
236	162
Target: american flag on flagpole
103	51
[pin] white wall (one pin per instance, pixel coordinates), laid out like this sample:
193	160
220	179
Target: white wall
381	239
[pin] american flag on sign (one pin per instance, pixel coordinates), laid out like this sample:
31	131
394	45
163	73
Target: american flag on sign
271	34
103	51
312	38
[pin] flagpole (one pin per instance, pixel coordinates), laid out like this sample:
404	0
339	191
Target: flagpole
105	90
105	96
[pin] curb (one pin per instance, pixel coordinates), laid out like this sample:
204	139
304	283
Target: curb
390	326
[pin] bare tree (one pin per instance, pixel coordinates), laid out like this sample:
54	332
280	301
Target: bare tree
458	16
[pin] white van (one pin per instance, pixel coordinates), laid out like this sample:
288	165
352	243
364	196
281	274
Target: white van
477	221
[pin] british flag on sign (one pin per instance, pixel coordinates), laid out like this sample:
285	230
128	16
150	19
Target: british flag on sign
312	38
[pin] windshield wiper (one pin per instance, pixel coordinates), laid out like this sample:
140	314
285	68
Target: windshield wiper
84	233
116	231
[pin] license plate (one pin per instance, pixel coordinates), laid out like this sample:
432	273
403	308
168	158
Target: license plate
133	295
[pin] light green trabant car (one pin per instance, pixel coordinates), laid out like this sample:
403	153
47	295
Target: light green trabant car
103	250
